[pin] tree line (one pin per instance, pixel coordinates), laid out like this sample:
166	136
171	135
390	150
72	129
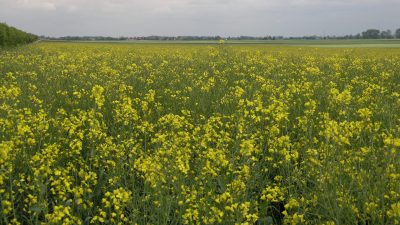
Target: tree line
377	34
368	34
147	38
11	36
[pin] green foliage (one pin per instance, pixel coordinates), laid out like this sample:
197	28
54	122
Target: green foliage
11	36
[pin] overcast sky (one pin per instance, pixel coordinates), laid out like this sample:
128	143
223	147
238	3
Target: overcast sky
199	17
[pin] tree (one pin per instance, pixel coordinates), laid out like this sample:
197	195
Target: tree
2	35
386	34
11	36
371	34
397	33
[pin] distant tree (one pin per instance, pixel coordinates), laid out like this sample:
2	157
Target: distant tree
387	34
371	34
397	33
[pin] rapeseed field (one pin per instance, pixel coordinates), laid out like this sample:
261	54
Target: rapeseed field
199	134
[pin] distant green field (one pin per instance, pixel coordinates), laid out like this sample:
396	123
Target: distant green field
392	43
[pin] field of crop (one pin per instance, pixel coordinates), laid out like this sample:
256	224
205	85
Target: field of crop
198	134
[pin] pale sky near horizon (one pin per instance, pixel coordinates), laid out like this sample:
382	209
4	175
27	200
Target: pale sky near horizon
199	17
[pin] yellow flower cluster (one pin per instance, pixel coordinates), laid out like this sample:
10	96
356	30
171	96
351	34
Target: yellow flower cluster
198	134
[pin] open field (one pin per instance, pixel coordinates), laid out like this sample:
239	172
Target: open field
389	43
125	133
